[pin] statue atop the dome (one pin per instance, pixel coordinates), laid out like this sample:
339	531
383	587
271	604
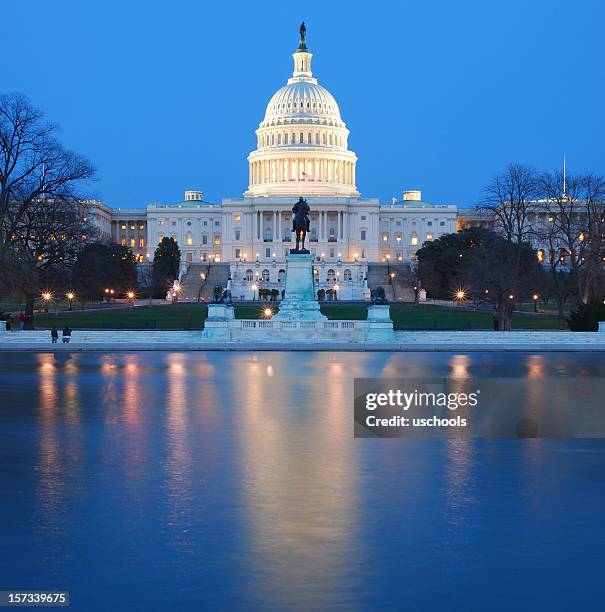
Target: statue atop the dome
300	224
303	36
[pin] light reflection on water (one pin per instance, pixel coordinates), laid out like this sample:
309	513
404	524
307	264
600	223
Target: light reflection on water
233	480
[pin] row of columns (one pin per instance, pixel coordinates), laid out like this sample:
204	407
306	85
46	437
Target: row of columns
322	225
318	170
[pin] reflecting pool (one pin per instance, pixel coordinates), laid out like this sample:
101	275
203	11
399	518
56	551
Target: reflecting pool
226	481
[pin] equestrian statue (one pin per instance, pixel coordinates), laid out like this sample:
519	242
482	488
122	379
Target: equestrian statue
300	225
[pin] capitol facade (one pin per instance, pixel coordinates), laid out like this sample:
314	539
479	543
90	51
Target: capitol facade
302	148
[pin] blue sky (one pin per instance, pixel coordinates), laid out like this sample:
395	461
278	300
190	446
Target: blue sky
164	97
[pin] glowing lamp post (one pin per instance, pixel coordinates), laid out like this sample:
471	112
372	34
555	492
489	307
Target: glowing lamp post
47	298
536	297
254	288
460	296
70	298
130	295
267	313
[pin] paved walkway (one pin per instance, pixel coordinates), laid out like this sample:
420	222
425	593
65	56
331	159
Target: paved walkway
148	340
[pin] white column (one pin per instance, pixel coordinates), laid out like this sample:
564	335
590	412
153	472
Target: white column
279	226
274	225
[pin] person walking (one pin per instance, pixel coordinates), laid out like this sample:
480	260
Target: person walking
496	319
21	320
54	334
66	334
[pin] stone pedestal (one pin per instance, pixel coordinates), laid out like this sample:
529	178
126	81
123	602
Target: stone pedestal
2	326
602	326
218	323
299	302
380	325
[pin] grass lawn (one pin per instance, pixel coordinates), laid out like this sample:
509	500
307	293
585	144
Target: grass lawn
192	316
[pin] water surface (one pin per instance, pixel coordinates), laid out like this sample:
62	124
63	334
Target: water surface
229	481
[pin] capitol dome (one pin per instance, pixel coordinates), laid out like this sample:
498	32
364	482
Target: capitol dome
302	142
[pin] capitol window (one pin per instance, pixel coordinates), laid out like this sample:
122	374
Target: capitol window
249	275
237	234
429	237
347	275
286	138
414	239
205	239
362	235
238	217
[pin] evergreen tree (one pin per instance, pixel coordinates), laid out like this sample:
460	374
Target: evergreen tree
166	263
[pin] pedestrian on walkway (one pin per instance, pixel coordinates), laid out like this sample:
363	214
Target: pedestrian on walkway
21	320
54	334
66	335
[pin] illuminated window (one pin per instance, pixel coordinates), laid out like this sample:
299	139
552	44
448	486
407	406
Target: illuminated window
132	243
238	217
189	239
429	237
123	242
123	226
141	226
141	242
414	239
132	226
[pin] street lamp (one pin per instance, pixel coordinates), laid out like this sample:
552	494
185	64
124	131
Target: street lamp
131	296
254	287
536	297
460	295
388	258
70	296
47	297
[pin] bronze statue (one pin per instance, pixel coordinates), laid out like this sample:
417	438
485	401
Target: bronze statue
303	36
300	224
378	296
222	296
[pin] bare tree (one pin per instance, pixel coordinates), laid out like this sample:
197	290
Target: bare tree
510	199
44	242
34	166
574	207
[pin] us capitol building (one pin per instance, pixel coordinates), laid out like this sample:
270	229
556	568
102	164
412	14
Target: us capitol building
302	148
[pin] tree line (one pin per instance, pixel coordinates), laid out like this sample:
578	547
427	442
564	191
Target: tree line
48	242
547	238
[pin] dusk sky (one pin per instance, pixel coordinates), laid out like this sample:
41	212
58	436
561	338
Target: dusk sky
438	96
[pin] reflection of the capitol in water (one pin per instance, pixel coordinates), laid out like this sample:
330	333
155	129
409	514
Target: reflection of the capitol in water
235	477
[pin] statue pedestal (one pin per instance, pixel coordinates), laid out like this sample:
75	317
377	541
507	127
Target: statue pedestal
218	324
380	325
299	302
